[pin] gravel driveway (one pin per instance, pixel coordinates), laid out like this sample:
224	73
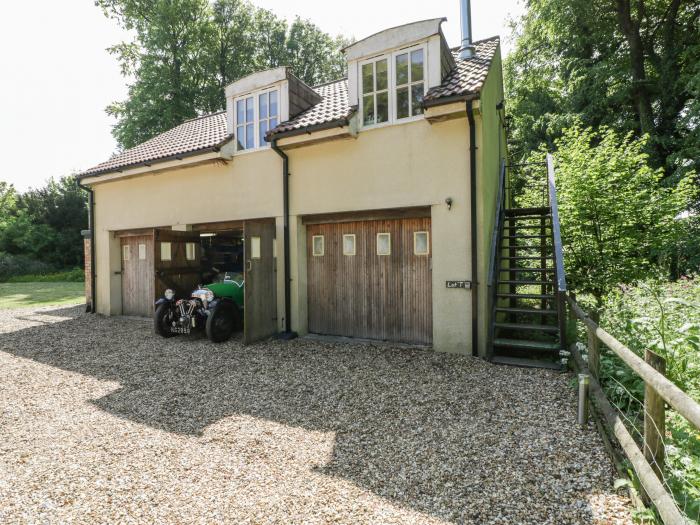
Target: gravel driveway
102	422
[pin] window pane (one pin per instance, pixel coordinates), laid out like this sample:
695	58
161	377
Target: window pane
383	107
273	104
367	78
417	98
165	251
190	251
382	74
249	137
249	109
240	139
402	103
317	245
402	69
383	244
262	105
349	244
126	252
263	130
142	252
416	65
240	111
273	123
420	243
368	110
255	247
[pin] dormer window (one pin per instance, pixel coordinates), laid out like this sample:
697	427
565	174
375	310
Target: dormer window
254	115
409	83
392	86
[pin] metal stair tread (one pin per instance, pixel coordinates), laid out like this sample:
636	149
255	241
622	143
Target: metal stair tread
520	282
527	344
526	269
525	363
526	326
531	257
526	311
519	212
525	295
526	236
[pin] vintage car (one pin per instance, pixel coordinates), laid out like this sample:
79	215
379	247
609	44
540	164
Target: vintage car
216	308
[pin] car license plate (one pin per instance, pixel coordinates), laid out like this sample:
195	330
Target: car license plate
179	330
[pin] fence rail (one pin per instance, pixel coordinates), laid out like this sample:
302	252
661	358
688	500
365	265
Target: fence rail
648	464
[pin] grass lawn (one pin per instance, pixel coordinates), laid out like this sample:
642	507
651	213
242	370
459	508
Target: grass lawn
24	295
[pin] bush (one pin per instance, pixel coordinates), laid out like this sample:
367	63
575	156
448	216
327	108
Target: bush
76	275
13	265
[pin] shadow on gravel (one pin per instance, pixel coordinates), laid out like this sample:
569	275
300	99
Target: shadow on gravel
446	435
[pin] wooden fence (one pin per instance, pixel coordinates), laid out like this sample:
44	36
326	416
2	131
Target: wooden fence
658	391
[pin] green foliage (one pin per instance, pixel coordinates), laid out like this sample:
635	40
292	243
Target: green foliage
76	275
40	229
185	52
633	66
617	220
663	317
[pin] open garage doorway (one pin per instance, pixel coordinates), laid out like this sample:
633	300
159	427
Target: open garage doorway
242	254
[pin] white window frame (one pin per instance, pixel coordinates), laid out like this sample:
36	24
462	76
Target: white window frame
391	58
427	243
354	244
255	247
388	236
313	246
256	117
166	254
126	252
191	254
142	251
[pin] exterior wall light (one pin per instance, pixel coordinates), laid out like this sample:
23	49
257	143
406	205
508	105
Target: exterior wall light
448	201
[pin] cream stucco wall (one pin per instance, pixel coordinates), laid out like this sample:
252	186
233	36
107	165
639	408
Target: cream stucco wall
398	166
248	187
413	164
491	148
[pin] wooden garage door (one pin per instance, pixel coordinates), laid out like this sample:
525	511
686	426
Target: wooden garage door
137	275
368	295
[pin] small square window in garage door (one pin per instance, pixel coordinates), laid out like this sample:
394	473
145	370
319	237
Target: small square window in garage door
421	243
318	247
383	244
349	244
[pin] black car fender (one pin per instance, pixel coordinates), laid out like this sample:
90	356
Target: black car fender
163	300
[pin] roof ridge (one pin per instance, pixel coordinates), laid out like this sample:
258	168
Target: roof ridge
199	117
481	41
329	82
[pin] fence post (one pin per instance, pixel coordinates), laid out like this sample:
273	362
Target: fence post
654	418
593	353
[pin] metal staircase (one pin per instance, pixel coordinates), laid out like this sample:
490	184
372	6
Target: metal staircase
526	281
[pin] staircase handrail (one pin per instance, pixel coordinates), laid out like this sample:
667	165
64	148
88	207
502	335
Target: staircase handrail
556	229
495	246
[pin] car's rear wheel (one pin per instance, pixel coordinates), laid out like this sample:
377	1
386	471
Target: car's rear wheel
163	320
221	323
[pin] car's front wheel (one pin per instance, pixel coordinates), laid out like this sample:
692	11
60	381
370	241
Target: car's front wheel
221	323
163	320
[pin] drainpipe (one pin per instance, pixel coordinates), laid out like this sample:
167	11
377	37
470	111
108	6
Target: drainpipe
288	334
91	228
472	205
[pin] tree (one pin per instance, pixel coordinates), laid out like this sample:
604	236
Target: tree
617	220
632	66
185	52
44	224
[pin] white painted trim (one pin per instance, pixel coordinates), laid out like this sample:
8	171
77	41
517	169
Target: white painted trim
354	244
314	253
256	81
255	95
393	38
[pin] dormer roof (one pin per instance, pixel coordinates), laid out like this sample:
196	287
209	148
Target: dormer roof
393	37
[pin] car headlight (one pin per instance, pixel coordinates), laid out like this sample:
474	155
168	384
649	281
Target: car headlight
169	294
209	296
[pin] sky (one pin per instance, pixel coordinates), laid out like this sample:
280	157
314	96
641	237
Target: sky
57	77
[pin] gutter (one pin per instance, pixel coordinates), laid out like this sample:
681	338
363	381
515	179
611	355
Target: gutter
472	204
337	123
91	228
148	163
288	334
441	101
